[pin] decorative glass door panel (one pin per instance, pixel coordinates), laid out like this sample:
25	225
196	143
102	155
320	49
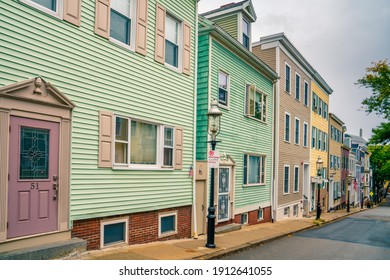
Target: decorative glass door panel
33	183
223	194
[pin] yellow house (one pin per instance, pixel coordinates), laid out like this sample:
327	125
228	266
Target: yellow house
319	140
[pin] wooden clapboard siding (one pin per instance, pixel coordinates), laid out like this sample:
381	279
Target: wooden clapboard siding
229	24
96	75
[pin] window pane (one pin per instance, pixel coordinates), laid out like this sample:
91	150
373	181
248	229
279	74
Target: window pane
297	87
254	170
121	129
120	27
245	41
252	101
168	136
34	153
172	27
143	143
120	152
297	125
286	178
264	108
171	53
245	27
50	4
168	157
121	6
245	169
258	106
223	87
287	128
168	224
114	233
287	78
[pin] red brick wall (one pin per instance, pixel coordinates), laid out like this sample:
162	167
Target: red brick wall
252	217
143	227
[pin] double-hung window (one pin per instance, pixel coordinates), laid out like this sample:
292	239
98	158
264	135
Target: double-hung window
256	103
245	34
172	41
296	178
288	78
223	88
319	146
297	87
297	131
306	94
305	134
320	106
139	144
254	169
314	137
287	124
120	20
315	103
286	180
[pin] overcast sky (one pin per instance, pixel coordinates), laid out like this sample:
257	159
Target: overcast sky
339	38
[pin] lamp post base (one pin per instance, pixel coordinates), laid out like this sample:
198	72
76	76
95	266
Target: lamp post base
210	228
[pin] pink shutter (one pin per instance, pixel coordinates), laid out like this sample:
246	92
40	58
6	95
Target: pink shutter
159	54
178	148
102	18
187	49
105	139
72	11
142	24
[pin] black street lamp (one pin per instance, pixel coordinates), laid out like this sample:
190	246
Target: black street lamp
319	165
349	181
214	121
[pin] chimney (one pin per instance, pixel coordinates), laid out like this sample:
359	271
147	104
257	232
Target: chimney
361	133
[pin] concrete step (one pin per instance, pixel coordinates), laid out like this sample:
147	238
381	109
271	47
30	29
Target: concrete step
55	250
227	228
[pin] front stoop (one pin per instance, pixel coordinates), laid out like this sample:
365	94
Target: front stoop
227	228
55	250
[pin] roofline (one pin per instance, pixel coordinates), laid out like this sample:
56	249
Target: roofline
337	119
282	38
221	34
230	9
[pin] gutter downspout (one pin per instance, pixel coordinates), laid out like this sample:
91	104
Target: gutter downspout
194	222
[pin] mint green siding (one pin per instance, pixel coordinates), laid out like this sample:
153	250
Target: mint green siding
97	74
229	24
239	134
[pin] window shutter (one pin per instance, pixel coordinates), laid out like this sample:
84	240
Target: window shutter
102	18
159	55
187	49
178	148
142	23
72	11
105	139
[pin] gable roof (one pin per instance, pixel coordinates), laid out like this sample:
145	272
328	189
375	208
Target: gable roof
245	6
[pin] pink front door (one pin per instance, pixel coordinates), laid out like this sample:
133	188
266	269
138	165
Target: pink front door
33	177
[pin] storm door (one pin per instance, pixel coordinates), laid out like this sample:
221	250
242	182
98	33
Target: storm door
33	177
224	194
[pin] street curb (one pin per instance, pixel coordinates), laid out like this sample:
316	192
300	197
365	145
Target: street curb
256	243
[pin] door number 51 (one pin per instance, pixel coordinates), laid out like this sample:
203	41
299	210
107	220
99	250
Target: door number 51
34	186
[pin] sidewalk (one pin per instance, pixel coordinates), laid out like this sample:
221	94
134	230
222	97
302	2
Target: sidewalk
190	249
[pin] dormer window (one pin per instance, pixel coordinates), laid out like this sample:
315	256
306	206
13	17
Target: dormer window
245	34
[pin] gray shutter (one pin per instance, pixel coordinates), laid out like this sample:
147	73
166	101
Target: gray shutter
105	138
178	148
102	18
72	11
159	54
142	26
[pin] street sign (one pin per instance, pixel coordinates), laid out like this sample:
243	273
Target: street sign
213	159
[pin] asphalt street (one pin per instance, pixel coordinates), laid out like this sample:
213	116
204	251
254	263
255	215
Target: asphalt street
363	236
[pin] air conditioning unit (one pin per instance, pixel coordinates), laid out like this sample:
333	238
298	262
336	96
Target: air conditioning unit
339	194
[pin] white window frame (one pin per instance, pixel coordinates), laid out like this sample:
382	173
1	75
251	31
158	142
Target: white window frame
57	14
261	216
297	77
227	105
286	211
305	131
180	35
297	131
313	137
262	171
306	93
295	210
133	15
169	233
159	149
285	78
245	217
103	223
296	179
284	179
319	140
248	35
285	127
263	104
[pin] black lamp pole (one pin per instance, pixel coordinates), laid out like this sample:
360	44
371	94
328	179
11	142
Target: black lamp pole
211	210
319	168
349	182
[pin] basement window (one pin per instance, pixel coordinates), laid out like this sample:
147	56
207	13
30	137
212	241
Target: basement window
113	232
244	218
167	224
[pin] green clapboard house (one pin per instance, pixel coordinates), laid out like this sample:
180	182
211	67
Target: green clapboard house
243	85
97	105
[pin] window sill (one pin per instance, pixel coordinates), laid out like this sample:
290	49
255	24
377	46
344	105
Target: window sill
142	167
254	185
57	15
255	119
166	234
222	106
121	44
173	68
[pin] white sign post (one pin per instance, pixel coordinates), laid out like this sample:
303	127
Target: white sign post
213	159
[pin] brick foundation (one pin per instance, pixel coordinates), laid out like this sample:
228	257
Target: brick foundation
143	227
252	217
